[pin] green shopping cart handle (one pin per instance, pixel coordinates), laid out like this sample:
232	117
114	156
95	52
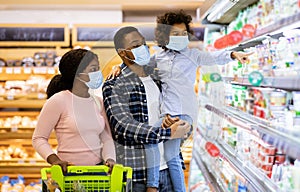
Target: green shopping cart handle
44	172
128	171
87	169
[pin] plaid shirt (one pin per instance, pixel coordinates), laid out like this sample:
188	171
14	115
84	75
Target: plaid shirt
126	107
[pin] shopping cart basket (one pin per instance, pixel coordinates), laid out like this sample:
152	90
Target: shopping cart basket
90	178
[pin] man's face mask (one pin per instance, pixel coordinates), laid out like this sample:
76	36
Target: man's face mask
178	43
141	55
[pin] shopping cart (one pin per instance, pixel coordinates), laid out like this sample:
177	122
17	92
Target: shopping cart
90	178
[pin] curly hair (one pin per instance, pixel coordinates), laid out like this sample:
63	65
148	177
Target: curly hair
71	63
165	23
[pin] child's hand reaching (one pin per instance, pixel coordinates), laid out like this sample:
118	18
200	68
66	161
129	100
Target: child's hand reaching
241	56
168	121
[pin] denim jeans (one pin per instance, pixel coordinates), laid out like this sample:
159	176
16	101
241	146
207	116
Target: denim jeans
165	184
171	154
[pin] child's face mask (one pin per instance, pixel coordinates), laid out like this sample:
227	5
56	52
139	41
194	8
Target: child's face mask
178	43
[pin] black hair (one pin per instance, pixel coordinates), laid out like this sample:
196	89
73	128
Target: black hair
71	63
120	34
166	21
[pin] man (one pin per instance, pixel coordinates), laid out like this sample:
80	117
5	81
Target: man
131	101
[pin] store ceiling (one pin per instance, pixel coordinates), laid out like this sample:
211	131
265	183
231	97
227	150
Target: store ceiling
124	5
133	10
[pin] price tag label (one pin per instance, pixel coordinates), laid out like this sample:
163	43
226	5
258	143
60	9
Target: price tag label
41	96
27	70
9	70
215	77
206	77
255	78
32	161
17	70
40	70
21	161
51	70
14	129
10	97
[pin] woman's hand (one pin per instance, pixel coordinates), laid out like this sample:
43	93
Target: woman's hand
110	163
180	129
53	159
168	121
115	71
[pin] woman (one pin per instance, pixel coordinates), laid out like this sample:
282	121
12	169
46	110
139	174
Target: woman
78	118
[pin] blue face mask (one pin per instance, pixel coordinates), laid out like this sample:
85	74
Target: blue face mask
141	55
96	79
178	43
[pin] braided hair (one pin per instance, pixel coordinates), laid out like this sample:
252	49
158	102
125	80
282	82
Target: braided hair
165	23
71	63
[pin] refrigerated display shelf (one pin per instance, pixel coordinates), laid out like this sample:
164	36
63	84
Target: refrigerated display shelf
273	30
208	174
286	83
257	180
277	27
229	11
277	136
280	137
236	165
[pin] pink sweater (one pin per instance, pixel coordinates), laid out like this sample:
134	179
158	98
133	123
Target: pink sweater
81	128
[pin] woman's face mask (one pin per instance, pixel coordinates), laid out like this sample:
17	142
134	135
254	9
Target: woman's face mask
141	55
96	79
178	43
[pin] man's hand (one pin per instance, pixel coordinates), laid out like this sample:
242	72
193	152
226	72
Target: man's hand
241	56
179	129
168	121
115	71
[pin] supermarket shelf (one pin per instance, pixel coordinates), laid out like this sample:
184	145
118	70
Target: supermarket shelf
4	141
31	172
24	162
209	177
257	180
286	83
238	165
24	73
207	173
278	137
22	103
18	113
277	27
229	11
20	135
273	30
